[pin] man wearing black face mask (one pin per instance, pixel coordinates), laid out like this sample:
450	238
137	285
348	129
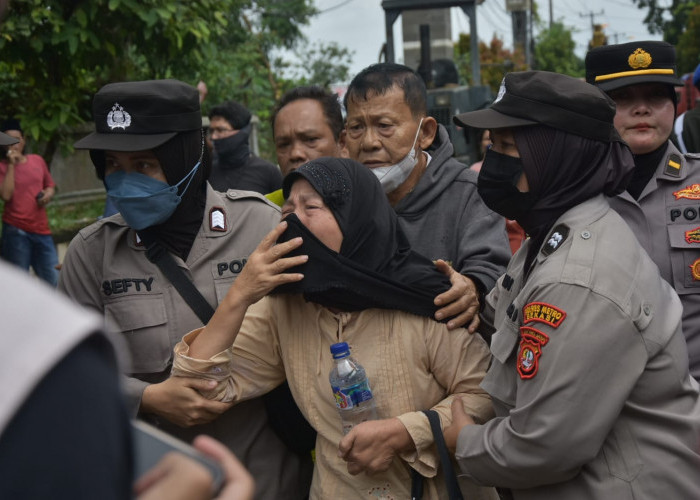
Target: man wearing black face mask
172	229
233	165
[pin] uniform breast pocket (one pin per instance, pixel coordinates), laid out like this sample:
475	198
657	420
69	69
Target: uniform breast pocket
142	319
685	258
222	286
500	380
224	274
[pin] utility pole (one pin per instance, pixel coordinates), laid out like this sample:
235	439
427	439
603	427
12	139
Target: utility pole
519	10
550	14
591	14
617	35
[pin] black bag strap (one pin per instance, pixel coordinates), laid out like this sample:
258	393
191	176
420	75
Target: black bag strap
157	254
447	468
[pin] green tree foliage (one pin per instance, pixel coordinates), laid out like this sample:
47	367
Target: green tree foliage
666	19
495	61
688	47
554	51
57	53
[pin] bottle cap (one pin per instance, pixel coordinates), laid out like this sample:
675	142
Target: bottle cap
340	350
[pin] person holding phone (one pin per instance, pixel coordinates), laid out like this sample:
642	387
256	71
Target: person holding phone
26	187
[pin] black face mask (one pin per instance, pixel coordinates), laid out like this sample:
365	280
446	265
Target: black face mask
497	185
233	151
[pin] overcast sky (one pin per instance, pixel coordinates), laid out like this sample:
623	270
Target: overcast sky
359	24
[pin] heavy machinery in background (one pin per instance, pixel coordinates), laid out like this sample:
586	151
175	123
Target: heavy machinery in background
446	97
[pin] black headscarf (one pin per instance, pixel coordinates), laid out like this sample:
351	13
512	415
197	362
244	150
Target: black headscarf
375	267
564	170
177	157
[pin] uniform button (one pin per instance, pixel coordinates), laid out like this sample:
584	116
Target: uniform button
647	310
585	235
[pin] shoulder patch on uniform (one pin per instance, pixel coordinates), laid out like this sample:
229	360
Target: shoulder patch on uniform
693	235
673	165
695	270
531	343
691	192
555	239
217	219
543	313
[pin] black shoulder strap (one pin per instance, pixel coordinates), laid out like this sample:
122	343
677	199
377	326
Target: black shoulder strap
448	470
157	254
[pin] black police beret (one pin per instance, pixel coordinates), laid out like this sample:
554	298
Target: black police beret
137	116
614	66
552	99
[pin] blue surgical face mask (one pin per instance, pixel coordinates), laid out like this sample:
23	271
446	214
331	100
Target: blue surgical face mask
142	200
392	176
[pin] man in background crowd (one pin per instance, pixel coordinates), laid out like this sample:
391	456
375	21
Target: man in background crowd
26	187
388	130
233	165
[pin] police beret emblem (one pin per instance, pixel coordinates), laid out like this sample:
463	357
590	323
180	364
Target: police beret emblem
639	59
501	91
118	118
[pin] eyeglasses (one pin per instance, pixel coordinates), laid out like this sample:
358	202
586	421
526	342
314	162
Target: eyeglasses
218	131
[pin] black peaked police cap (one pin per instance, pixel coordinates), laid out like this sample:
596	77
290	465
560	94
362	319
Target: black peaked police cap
541	97
614	66
137	116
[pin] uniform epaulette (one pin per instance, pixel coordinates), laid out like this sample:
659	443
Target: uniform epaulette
692	156
673	165
115	220
239	194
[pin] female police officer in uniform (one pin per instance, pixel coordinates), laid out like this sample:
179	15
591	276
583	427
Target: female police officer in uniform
589	376
149	150
662	201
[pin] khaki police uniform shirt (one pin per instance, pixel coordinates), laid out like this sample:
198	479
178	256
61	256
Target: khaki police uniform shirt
106	268
589	377
666	221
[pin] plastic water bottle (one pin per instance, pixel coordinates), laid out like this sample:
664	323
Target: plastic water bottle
350	385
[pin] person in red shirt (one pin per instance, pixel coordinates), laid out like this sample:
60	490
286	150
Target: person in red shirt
26	187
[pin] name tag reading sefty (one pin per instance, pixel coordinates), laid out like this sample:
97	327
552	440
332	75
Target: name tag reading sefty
124	285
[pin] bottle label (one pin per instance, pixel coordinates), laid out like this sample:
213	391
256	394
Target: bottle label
350	397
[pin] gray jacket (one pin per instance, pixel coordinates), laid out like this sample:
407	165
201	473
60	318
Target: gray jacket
445	218
589	378
666	221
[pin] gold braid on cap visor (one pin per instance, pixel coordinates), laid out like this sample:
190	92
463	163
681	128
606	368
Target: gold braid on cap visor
634	73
